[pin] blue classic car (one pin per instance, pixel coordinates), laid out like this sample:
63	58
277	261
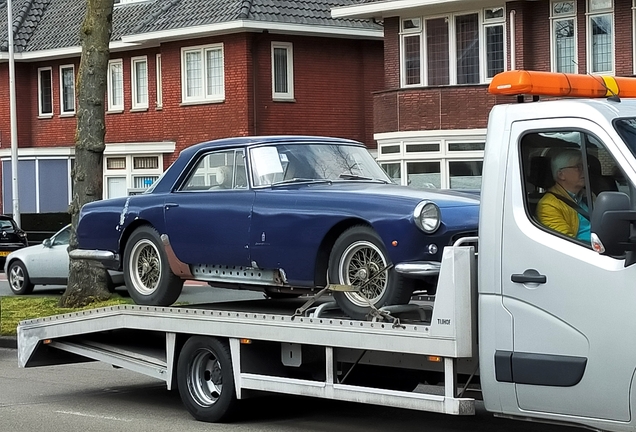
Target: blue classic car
282	214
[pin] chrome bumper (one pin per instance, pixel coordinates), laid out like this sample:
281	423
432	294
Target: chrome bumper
97	255
419	268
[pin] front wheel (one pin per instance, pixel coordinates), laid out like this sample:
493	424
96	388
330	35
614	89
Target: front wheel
147	273
205	379
18	278
359	258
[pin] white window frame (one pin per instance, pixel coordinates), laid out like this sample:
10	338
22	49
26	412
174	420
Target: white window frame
553	19
204	97
289	94
159	89
130	172
40	113
452	45
590	15
136	102
111	106
443	156
62	96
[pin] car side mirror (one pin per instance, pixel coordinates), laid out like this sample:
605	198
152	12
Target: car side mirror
611	224
46	243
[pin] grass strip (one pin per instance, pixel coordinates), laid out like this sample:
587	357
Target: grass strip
16	309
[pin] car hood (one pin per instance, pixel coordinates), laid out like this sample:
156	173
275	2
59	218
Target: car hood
444	198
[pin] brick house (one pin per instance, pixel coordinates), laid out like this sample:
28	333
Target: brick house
181	72
430	118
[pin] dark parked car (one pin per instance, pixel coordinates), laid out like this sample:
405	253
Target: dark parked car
11	237
280	214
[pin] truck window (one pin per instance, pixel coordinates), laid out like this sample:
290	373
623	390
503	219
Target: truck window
563	172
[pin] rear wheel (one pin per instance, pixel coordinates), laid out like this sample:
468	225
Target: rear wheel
359	258
205	379
18	278
147	273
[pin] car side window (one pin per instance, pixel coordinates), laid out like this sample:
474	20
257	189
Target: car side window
564	171
220	170
62	238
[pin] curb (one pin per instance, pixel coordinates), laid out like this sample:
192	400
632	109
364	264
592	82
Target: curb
8	342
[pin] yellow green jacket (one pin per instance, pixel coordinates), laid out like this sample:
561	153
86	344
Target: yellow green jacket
557	215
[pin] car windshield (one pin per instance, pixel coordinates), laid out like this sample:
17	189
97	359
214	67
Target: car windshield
293	163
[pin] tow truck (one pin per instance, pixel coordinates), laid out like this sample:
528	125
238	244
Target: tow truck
537	319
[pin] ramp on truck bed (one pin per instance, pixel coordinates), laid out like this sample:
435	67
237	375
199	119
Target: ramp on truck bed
273	350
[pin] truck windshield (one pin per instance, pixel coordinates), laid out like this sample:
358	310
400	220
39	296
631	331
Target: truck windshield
626	128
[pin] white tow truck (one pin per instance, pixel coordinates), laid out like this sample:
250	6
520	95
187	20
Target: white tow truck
540	321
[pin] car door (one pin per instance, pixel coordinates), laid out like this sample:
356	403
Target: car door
572	309
208	216
51	262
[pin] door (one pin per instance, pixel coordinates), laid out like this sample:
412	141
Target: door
208	217
51	263
572	309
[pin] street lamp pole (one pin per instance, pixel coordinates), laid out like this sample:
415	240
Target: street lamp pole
14	120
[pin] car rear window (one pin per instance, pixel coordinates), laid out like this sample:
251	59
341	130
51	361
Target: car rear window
6	225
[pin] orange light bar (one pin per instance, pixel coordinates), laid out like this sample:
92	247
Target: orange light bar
521	82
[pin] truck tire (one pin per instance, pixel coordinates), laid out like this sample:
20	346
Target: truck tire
18	277
358	255
205	379
147	273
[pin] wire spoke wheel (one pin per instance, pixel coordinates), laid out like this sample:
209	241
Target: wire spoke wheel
364	265
146	263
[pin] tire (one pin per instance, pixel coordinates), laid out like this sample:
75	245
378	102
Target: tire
147	273
18	278
205	379
358	255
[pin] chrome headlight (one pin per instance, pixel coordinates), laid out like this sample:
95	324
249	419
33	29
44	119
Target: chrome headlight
427	217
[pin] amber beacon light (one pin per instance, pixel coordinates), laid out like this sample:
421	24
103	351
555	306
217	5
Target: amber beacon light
522	82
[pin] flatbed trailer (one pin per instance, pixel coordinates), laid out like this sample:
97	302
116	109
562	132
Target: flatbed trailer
219	353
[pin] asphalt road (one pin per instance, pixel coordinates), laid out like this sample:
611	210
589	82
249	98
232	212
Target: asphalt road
96	397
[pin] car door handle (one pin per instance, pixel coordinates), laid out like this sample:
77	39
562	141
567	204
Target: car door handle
168	206
529	276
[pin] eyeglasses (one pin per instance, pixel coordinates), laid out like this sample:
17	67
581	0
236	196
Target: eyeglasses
578	166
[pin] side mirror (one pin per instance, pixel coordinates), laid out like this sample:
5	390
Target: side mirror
46	243
611	221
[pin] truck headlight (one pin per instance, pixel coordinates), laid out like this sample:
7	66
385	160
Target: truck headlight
427	217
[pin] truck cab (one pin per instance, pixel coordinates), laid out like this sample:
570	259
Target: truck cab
554	313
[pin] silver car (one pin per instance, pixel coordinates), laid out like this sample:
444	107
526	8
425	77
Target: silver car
45	264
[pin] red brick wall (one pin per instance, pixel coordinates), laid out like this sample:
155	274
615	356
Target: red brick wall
461	107
333	84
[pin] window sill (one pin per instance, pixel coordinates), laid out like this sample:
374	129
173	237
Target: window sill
139	109
283	99
67	115
203	102
45	116
118	111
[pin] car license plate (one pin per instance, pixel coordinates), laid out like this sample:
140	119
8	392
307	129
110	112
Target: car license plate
4	253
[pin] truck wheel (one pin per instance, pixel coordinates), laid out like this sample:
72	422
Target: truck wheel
19	281
148	276
358	257
205	379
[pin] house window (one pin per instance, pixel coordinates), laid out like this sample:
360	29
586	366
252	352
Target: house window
45	90
282	71
203	74
600	36
563	17
130	174
115	85
67	89
159	92
139	79
453	49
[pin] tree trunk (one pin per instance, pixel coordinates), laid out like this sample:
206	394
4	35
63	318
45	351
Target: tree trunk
87	280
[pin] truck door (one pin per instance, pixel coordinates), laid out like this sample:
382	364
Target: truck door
572	309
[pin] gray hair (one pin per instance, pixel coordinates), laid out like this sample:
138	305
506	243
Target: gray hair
564	159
